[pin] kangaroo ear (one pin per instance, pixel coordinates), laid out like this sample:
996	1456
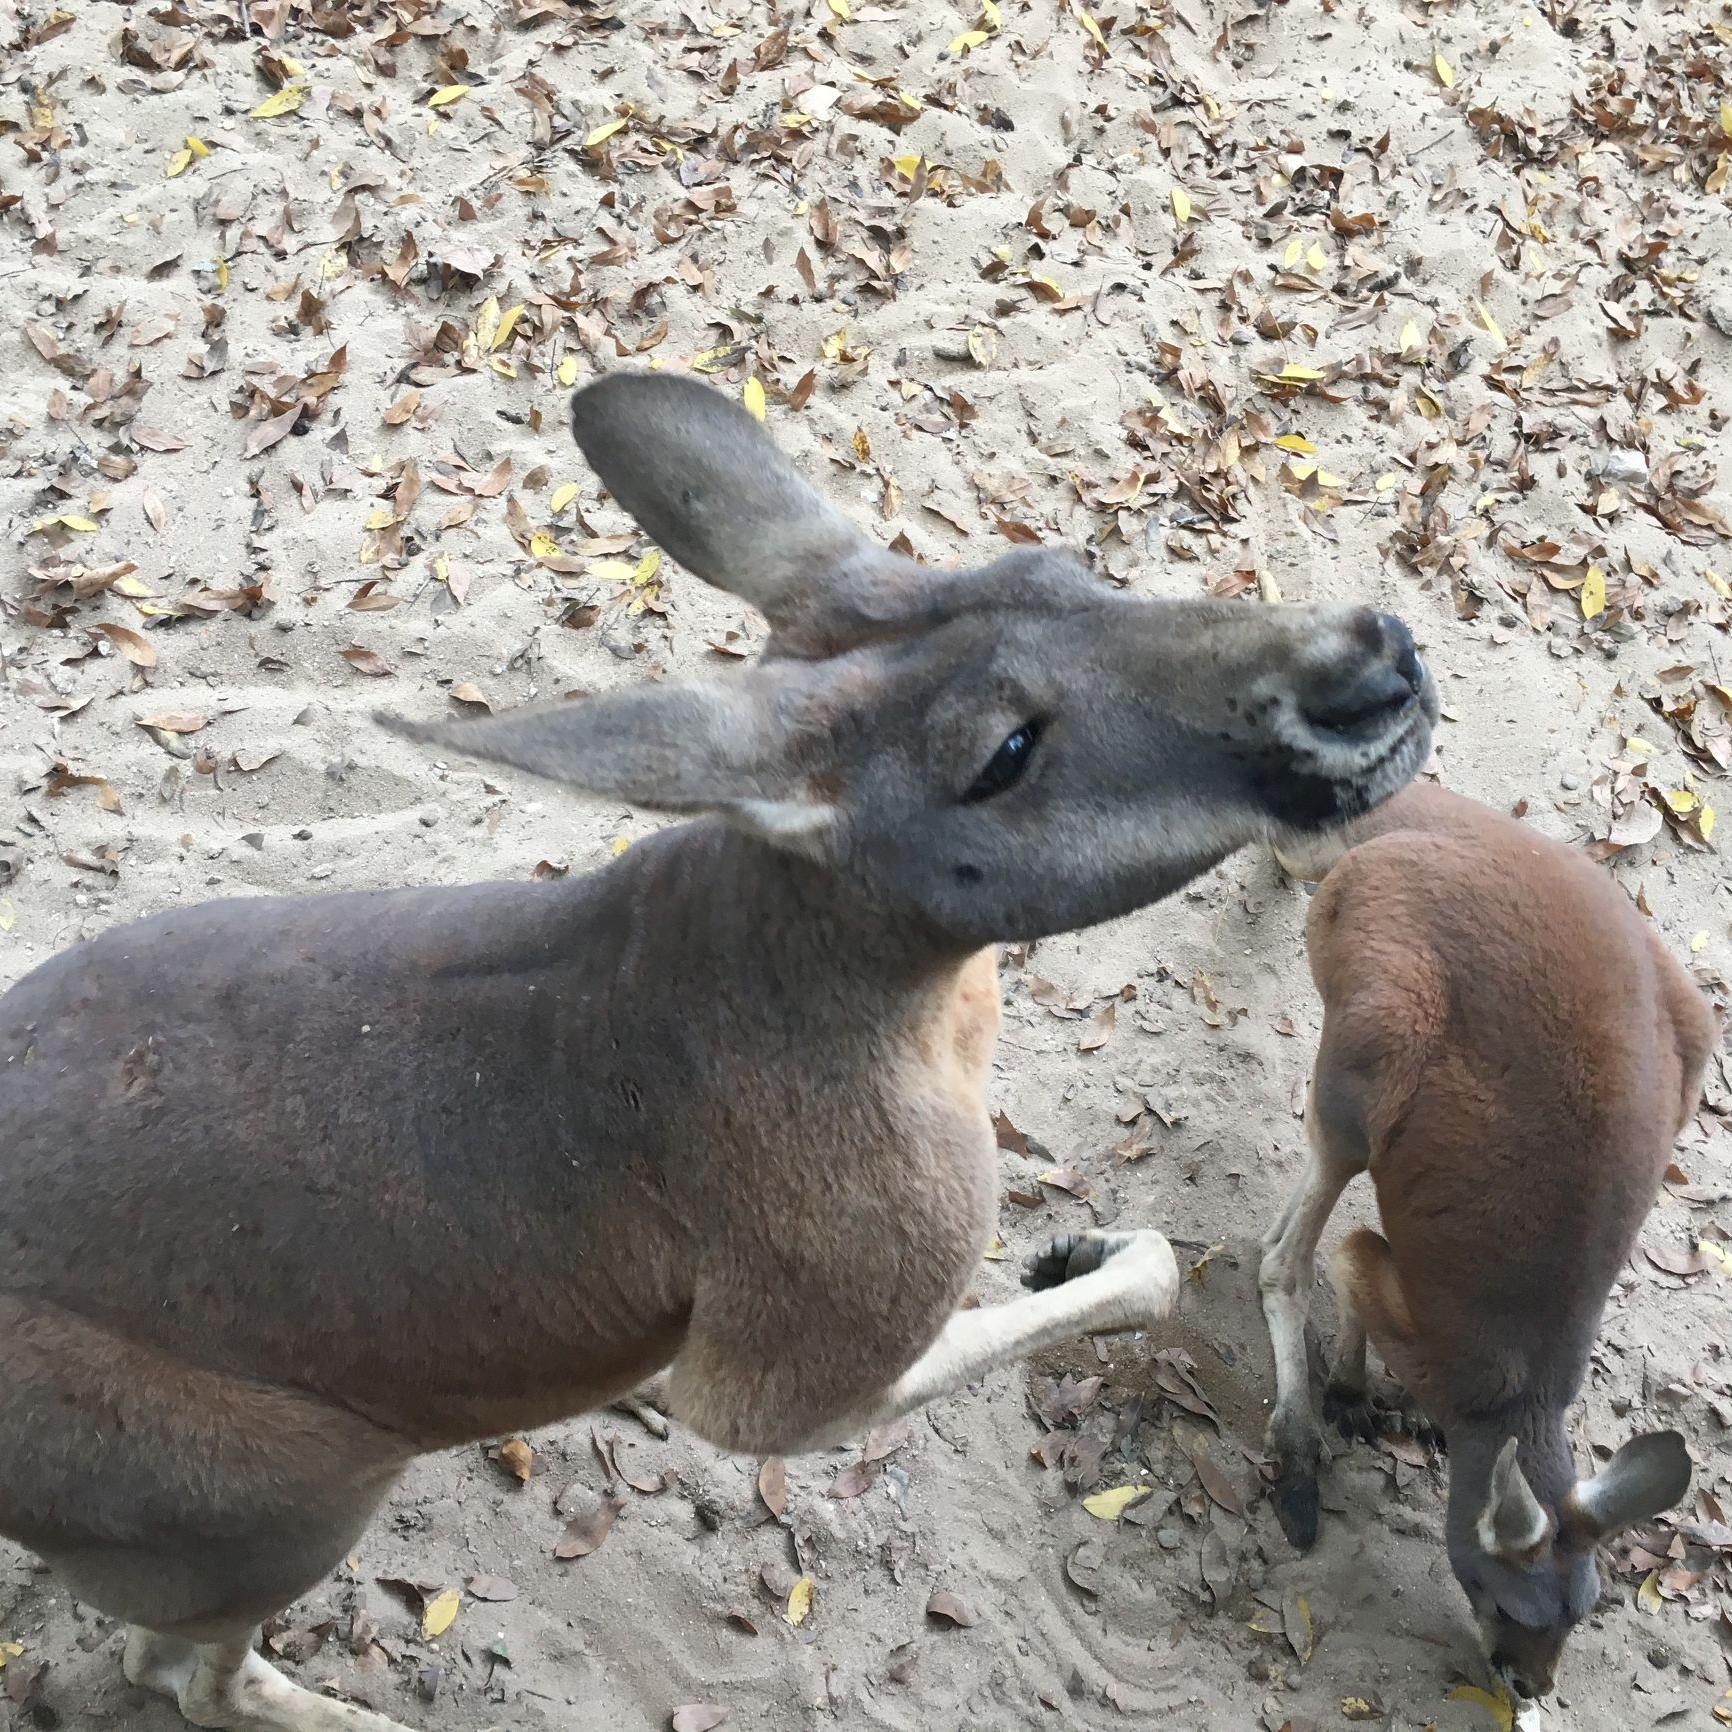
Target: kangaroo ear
1648	1475
705	480
1514	1520
754	748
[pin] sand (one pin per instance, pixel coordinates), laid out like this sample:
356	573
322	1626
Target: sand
217	369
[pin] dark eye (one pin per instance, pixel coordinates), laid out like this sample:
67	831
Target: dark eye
1004	769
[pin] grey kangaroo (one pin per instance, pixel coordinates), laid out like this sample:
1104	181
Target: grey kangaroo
1510	1052
719	1108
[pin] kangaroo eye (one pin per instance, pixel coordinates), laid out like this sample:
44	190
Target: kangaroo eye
1005	767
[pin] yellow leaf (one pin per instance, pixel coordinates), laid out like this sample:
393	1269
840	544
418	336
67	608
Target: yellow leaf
222	273
1086	20
1682	801
646	568
1593	596
440	1613
381	520
542	545
1268	588
562	497
1726	118
1292	370
840	8
982	346
793	120
1711	1247
1483	313
197	146
862	445
566	371
1648	1594
10	1650
1705	822
610	571
487	322
907	163
1699	941
1296	442
1294	253
712	360
799	1602
1445	72
179	163
990	12
1410	339
1387	481
602	133
1315	257
132	586
1181	204
8	919
752	395
441	568
1637	747
1721	586
621	843
284	101
503	335
967	40
1427	405
1108	1506
447	94
1723	1708
1499	1707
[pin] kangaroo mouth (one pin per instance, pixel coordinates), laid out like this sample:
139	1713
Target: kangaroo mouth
1327	776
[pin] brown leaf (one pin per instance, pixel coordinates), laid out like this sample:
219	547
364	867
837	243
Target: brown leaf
949	1609
1676	1262
1217	1485
773	1486
467	692
366	661
586	1532
497	1589
699	1717
175	721
272	432
403	408
156	439
1100	1028
518	1459
154	510
857	1478
1068	1179
136	648
1009	1137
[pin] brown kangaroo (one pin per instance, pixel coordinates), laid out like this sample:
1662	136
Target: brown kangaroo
1510	1052
719	1107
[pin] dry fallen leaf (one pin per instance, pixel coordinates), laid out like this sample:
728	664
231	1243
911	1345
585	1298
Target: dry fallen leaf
1498	1706
518	1459
440	1613
799	1602
175	722
587	1529
1108	1506
137	649
949	1608
699	1717
773	1486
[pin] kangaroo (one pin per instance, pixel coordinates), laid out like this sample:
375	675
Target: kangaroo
1511	1052
718	1108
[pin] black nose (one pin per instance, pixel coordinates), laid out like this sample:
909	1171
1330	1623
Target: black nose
1383	684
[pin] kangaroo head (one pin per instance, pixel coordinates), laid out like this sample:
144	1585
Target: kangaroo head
1529	1571
1009	751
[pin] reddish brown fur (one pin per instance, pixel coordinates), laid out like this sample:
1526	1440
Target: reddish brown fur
1509	1051
1520	1110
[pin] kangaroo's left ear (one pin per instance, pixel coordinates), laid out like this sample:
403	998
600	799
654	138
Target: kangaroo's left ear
1648	1475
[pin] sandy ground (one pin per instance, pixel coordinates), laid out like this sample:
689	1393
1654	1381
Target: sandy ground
280	440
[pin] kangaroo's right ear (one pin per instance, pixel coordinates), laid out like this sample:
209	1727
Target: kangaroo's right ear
758	747
1514	1521
705	480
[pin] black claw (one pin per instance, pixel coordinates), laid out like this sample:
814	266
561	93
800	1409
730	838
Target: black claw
1297	1507
1068	1256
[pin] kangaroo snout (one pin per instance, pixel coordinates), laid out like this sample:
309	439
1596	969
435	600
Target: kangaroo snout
1360	698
